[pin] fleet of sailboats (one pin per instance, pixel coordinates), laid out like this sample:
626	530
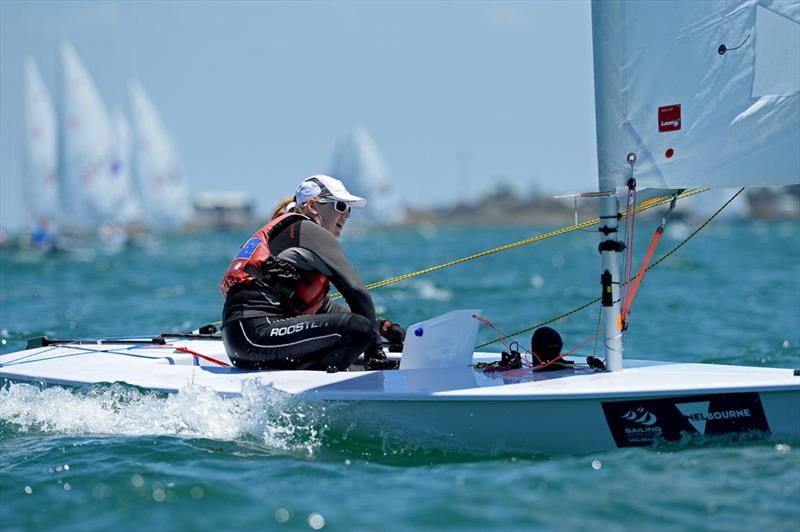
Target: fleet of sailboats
85	171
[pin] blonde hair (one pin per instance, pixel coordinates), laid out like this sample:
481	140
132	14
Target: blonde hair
280	208
303	209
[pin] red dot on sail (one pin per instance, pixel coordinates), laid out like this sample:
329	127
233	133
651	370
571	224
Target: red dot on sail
669	153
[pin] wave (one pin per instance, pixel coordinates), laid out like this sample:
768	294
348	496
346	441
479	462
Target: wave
273	418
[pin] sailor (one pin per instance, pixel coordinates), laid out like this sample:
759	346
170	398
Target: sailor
277	312
43	237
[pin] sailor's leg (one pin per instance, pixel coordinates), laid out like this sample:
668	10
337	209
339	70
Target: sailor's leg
301	342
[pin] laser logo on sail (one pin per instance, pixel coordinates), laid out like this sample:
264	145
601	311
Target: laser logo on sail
669	118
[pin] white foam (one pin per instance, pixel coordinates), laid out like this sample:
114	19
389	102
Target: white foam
277	419
427	290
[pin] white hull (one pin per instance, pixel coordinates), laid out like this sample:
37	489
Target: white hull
574	410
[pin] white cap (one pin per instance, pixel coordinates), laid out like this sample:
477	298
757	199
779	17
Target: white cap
326	187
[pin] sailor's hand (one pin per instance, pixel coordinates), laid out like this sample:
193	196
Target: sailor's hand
376	359
393	333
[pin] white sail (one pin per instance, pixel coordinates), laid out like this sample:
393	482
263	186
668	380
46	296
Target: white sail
93	188
129	209
358	162
704	93
159	176
40	184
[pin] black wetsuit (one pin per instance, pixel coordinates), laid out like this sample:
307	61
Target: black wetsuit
260	330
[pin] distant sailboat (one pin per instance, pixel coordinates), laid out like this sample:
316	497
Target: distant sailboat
40	184
358	162
94	189
159	176
130	210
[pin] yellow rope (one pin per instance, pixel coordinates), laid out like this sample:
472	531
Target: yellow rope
595	300
645	205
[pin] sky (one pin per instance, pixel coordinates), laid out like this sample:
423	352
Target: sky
459	96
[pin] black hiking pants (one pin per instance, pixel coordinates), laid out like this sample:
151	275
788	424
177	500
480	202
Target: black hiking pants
313	342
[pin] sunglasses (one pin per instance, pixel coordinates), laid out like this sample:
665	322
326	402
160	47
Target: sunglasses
338	205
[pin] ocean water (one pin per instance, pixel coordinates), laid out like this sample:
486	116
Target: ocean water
116	457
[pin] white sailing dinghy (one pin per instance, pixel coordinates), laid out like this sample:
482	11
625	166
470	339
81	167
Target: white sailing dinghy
129	209
159	177
684	98
358	162
41	148
96	189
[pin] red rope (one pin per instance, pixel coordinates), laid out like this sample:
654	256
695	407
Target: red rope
539	360
497	331
629	226
204	357
631	293
562	355
632	286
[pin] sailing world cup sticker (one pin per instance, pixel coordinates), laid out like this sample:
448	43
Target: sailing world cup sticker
641	416
647	421
669	118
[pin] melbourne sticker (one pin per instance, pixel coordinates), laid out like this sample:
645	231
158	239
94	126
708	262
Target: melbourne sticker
643	422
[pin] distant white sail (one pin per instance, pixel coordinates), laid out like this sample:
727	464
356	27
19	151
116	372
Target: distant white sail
704	93
129	210
358	162
159	177
93	188
40	184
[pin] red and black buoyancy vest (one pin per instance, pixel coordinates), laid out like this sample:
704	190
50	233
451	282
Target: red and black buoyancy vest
305	297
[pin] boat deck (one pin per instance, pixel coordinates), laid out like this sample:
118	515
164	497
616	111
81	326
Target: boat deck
165	368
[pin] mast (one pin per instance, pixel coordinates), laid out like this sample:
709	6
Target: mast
610	249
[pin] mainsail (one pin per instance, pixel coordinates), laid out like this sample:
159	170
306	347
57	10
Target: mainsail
703	93
93	187
158	171
358	162
41	150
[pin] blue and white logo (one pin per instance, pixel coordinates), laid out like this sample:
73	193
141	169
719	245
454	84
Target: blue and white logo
247	250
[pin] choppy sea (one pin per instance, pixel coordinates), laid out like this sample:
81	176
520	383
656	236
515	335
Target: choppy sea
114	457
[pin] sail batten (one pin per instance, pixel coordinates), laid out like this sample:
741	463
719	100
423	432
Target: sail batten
701	92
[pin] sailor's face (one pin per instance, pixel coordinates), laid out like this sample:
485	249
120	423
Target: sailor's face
331	219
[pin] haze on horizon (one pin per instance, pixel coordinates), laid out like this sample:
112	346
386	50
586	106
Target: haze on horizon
459	96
